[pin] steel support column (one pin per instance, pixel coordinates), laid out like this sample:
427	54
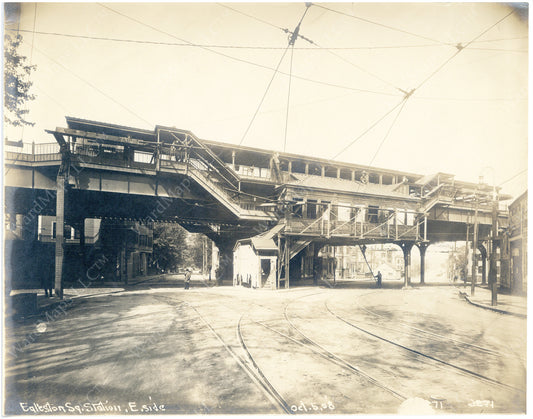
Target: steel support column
422	247
406	248
60	226
287	260
316	263
483	252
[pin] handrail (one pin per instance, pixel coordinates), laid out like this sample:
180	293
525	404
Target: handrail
435	189
342	225
379	225
215	158
314	222
301	245
416	225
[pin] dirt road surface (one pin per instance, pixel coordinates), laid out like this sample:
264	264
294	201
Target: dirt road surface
159	349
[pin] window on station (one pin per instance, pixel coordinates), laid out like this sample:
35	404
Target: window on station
373	211
346	174
315	169
331	172
311	208
298	167
297	208
322	208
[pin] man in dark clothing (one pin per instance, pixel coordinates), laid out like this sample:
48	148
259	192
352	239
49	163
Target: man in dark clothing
47	282
378	277
188	275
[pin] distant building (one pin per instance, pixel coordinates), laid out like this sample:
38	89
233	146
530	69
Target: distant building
124	246
518	245
349	262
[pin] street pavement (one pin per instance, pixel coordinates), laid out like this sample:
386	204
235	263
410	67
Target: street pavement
153	347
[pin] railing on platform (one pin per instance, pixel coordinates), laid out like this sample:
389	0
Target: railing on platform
354	228
31	152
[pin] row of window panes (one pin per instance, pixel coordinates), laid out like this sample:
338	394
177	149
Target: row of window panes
372	214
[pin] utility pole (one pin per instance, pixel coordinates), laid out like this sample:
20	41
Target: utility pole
204	255
492	267
464	271
474	247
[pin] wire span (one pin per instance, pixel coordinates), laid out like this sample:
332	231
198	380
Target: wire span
264	95
381	24
242	60
368	129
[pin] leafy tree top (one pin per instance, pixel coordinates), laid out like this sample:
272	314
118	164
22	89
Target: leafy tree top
17	82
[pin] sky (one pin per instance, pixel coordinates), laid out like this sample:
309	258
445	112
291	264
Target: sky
467	64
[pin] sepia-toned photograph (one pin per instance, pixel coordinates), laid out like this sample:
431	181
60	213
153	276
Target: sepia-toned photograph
268	208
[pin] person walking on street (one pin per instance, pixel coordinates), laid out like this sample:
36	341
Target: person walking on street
378	278
188	274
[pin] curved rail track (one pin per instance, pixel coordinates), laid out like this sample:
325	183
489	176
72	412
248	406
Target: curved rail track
428	334
255	373
463	370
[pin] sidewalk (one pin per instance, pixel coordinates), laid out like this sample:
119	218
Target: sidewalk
515	305
47	303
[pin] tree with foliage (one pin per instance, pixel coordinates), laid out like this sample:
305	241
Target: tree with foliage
17	83
198	243
169	246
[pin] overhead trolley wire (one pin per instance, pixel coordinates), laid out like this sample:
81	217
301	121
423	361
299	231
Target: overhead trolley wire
368	129
252	17
460	48
292	39
512	177
408	94
498	49
264	95
288	101
242	60
219	46
388	132
319	47
94	87
380	24
354	65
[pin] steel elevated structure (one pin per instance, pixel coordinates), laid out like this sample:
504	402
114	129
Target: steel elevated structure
229	192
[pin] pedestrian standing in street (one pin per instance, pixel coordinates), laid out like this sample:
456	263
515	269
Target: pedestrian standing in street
47	282
188	275
378	278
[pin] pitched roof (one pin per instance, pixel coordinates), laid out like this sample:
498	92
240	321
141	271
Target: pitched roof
344	185
262	243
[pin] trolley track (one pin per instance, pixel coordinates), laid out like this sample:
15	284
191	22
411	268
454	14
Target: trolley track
329	356
432	336
255	373
458	368
429	334
251	361
312	346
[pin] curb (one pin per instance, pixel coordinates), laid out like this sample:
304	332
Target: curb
497	310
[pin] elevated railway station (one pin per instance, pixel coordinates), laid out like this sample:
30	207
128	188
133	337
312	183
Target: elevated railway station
260	207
